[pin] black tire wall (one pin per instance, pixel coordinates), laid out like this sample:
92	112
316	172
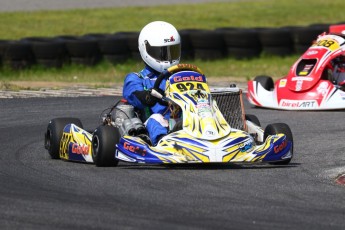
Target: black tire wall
90	49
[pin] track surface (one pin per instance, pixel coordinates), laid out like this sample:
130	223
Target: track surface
40	193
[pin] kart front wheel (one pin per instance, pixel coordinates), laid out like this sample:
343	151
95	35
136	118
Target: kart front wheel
54	132
104	142
253	118
276	128
265	81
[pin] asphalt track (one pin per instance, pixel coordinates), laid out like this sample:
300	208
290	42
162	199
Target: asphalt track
40	193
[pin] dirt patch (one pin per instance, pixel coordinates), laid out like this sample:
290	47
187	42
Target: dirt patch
35	85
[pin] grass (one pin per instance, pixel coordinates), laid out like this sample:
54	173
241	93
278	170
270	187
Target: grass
264	13
106	72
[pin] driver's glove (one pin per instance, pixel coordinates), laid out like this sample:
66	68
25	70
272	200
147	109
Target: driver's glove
146	98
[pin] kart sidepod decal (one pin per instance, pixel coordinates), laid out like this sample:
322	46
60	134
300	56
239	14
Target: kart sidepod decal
75	144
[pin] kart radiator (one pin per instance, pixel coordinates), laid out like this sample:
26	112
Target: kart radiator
231	105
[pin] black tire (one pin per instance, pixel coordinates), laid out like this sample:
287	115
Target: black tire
18	55
276	128
265	81
54	134
83	51
203	48
50	63
187	50
208	54
300	49
243	53
113	45
281	51
116	58
96	36
242	38
306	35
253	118
276	37
3	47
49	50
104	142
131	38
201	40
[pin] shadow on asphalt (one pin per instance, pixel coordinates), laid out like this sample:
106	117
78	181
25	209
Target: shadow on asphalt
208	166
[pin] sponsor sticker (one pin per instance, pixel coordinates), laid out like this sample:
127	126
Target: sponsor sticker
282	83
299	84
134	149
202	103
298	104
342	94
301	79
80	149
306	70
188	78
322	88
312	52
246	146
279	148
171	39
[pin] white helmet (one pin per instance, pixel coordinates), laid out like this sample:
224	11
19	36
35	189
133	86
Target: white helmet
160	45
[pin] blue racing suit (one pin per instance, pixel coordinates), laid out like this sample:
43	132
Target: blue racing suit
135	91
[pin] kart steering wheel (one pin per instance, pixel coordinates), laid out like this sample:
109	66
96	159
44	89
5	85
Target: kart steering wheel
170	71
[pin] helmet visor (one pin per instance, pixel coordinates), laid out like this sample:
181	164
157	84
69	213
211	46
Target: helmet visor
164	53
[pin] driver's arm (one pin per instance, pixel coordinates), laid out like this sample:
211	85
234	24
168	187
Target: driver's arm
135	94
145	97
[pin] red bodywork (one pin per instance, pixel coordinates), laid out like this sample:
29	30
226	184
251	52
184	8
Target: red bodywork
308	83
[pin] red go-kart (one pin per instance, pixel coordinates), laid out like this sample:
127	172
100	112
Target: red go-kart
312	82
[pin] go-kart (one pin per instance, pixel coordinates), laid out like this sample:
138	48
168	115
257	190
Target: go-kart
205	127
309	85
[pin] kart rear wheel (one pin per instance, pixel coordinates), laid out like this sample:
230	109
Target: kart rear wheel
104	142
265	81
54	134
253	118
276	128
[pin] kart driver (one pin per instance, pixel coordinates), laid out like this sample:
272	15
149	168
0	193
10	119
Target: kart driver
335	68
335	71
338	73
160	48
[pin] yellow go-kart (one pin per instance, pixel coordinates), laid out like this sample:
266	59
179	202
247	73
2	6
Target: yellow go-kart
204	127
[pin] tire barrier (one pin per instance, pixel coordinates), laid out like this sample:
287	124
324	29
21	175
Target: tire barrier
242	43
276	41
207	44
17	54
82	50
90	49
48	52
304	36
114	48
187	51
132	43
